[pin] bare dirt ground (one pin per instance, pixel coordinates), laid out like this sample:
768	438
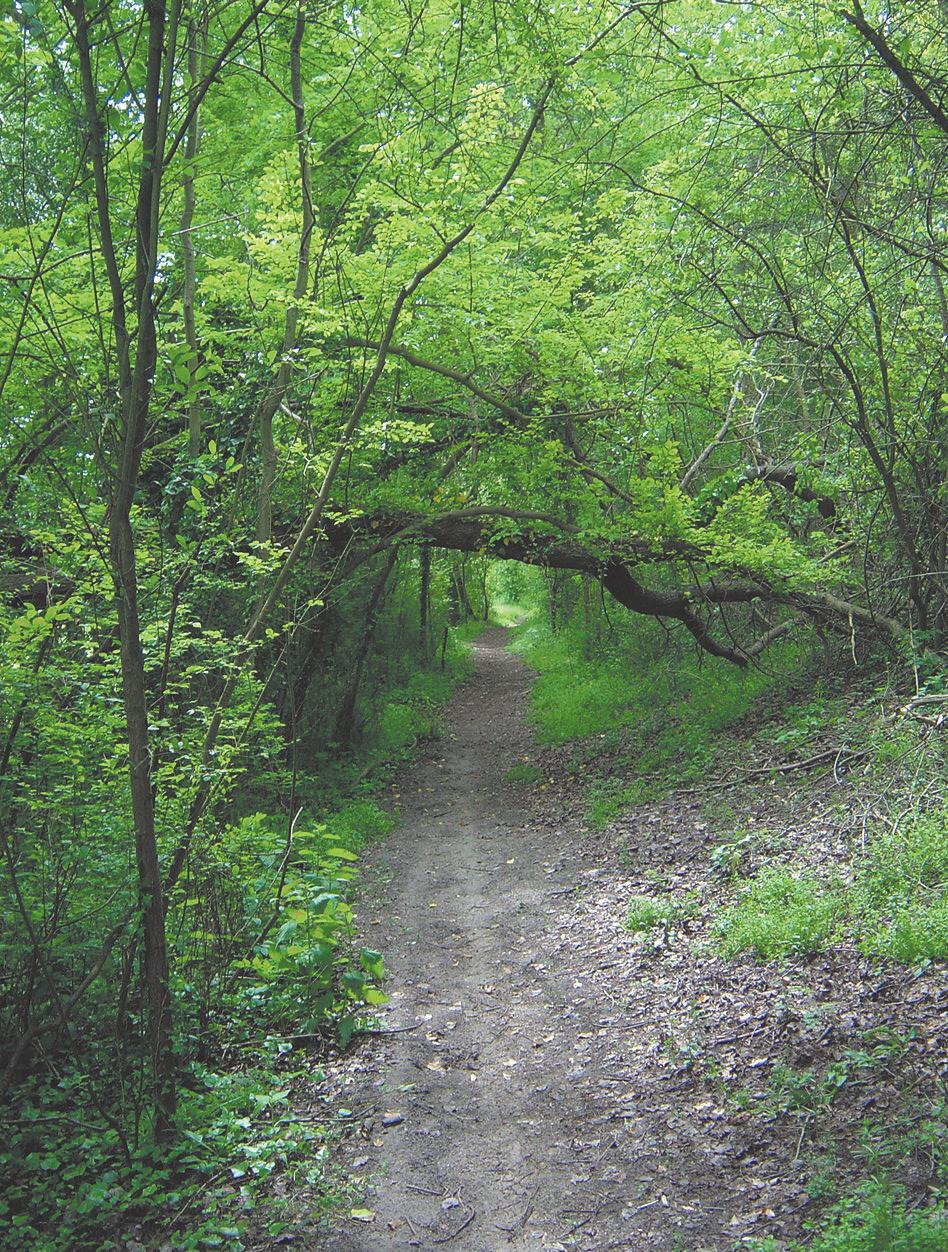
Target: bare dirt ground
550	1081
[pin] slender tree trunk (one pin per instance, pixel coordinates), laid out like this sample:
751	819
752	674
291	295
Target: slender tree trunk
135	383
345	720
276	394
424	602
197	38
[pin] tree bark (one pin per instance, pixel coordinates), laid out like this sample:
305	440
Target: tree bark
468	530
135	384
345	719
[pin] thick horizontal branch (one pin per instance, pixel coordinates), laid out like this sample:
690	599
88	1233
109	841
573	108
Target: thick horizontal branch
545	540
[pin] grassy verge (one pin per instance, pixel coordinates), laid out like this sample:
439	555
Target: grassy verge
895	905
650	712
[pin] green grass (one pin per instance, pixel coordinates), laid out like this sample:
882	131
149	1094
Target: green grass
648	913
902	893
665	706
524	772
874	1219
897	907
506	612
780	914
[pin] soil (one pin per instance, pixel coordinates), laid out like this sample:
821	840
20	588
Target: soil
546	1080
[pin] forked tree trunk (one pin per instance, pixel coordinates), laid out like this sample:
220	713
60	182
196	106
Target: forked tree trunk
135	383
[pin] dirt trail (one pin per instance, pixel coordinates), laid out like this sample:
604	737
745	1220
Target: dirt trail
562	1083
500	1145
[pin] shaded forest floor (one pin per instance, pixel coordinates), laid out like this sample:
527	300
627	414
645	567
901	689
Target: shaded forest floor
548	1078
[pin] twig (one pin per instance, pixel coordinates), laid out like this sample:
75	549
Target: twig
526	1214
648	1205
394	1030
463	1226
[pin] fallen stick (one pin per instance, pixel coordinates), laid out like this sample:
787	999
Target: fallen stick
463	1226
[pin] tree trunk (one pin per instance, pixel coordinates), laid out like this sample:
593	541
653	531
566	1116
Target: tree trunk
135	383
424	602
345	720
197	38
274	398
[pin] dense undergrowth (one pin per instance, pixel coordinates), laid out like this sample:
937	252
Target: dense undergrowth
640	718
267	973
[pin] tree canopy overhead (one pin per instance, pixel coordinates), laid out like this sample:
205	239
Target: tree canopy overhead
669	274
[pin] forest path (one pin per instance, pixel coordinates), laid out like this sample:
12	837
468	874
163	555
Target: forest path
499	1141
551	1081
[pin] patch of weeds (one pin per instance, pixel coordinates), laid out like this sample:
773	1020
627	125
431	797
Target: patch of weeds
780	915
523	772
823	1182
875	1218
649	913
919	1136
902	893
727	857
360	821
802	722
916	933
807	1091
609	798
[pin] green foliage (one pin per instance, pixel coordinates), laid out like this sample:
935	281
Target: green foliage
914	933
611	298
262	938
897	904
875	1218
647	702
728	856
901	893
70	1184
524	772
648	913
780	914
